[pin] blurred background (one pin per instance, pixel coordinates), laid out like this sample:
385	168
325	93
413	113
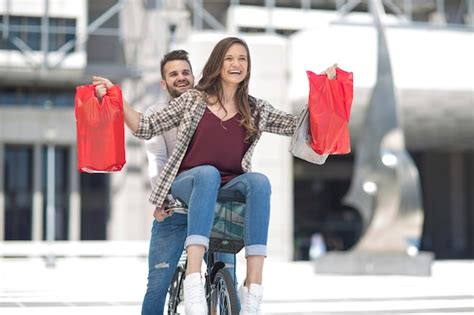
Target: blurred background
48	47
74	242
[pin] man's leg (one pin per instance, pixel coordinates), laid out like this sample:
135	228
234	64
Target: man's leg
166	246
230	263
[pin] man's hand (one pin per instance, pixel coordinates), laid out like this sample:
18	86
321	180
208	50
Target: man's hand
331	72
160	214
132	117
101	86
101	80
100	91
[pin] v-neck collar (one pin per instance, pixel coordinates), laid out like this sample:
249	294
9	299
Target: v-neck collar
210	111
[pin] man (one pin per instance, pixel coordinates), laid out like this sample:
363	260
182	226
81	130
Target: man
169	228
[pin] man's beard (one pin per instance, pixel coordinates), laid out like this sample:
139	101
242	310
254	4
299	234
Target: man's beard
174	92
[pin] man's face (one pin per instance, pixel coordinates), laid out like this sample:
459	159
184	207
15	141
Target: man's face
178	77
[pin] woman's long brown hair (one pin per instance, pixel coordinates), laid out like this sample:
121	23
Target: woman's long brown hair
211	83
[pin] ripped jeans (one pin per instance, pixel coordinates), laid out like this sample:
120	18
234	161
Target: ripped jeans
166	246
198	188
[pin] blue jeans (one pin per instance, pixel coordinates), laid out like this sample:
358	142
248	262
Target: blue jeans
166	246
198	188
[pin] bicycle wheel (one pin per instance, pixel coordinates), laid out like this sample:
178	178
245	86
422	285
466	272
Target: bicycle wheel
223	295
175	292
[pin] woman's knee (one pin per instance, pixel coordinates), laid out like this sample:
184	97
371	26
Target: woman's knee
207	172
259	182
200	178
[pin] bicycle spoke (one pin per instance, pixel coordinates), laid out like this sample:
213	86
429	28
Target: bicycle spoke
222	297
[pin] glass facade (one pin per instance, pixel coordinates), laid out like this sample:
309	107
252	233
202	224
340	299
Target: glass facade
61	31
19	188
318	194
28	30
18	192
35	96
94	206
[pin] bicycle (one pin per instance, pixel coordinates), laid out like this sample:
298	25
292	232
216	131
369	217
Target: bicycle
227	237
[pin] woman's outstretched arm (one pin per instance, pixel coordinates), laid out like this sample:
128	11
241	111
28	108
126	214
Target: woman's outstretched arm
283	123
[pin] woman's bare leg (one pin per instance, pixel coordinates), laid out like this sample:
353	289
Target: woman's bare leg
254	270
195	256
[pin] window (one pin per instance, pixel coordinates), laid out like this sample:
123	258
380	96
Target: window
4	44
95	197
28	30
36	96
60	32
18	192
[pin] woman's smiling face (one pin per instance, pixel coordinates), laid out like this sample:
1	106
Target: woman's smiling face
235	66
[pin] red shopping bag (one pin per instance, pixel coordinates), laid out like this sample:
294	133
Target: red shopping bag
100	130
330	104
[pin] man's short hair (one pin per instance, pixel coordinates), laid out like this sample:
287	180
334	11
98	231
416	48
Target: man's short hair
178	54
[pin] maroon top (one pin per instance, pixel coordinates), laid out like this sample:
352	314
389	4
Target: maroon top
217	143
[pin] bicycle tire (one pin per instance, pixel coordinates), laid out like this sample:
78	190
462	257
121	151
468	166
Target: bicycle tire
175	291
223	296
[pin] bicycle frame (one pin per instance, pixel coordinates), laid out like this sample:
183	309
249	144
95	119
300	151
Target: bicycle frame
215	268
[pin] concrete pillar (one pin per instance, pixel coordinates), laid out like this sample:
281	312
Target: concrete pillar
37	215
74	197
2	188
271	155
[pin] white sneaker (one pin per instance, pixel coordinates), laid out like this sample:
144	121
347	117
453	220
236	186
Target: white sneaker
194	296
250	299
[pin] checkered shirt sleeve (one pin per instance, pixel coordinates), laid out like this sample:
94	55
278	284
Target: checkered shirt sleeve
165	119
278	121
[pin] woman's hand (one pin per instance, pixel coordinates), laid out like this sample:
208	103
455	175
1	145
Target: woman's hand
331	72
101	86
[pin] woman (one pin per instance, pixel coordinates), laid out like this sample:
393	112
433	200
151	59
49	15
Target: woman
219	125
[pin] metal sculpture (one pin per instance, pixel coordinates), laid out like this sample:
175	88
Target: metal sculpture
385	186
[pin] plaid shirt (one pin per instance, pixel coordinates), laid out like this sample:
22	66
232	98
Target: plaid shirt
185	112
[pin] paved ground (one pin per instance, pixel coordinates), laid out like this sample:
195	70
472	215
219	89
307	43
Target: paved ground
116	286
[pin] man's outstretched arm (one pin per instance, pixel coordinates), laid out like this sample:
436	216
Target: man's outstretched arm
131	116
